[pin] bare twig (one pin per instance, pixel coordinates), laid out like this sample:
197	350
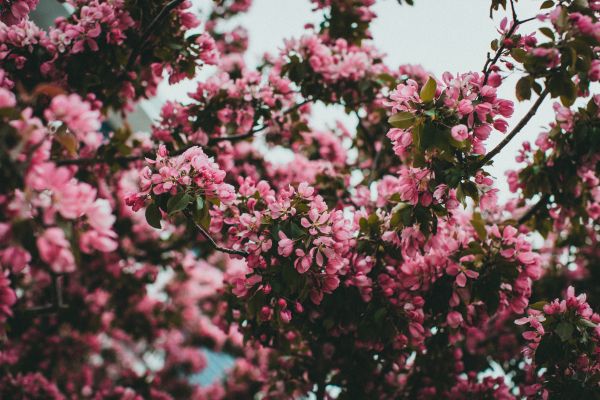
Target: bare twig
534	209
512	8
57	303
522	123
212	241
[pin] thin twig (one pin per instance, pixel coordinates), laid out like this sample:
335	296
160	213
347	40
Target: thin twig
512	8
146	35
492	61
522	123
57	303
534	209
212	241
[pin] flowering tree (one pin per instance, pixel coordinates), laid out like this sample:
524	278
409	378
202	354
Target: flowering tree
377	263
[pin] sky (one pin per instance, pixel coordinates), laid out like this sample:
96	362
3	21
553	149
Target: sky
440	35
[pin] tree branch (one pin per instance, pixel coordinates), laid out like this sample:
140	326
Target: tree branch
57	304
146	35
211	141
534	209
212	241
522	123
492	61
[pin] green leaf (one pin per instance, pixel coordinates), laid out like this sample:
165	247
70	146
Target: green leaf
380	316
395	220
153	215
402	120
564	330
518	54
470	189
199	203
296	231
9	112
547	32
587	323
364	224
548	350
524	89
428	91
430	136
178	202
538	305
67	139
479	226
373	222
547	4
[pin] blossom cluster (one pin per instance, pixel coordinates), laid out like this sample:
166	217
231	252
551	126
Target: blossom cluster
291	236
191	177
331	71
562	340
103	26
224	105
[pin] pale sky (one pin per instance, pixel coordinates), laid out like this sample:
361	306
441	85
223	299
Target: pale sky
441	35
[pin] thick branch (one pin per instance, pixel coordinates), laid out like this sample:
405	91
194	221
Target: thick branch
146	35
522	123
212	241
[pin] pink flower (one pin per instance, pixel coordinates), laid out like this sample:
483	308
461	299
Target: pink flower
285	245
305	190
303	262
489	200
465	107
7	98
460	132
454	319
55	250
286	316
461	274
15	257
7	297
594	73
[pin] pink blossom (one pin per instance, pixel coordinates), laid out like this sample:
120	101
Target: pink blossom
55	250
460	132
285	245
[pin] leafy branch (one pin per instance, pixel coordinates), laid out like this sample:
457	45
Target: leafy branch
212	241
522	123
491	61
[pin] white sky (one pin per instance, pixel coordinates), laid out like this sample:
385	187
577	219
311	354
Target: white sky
441	35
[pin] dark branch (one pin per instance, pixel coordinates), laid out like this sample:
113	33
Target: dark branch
534	209
57	304
212	241
522	123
